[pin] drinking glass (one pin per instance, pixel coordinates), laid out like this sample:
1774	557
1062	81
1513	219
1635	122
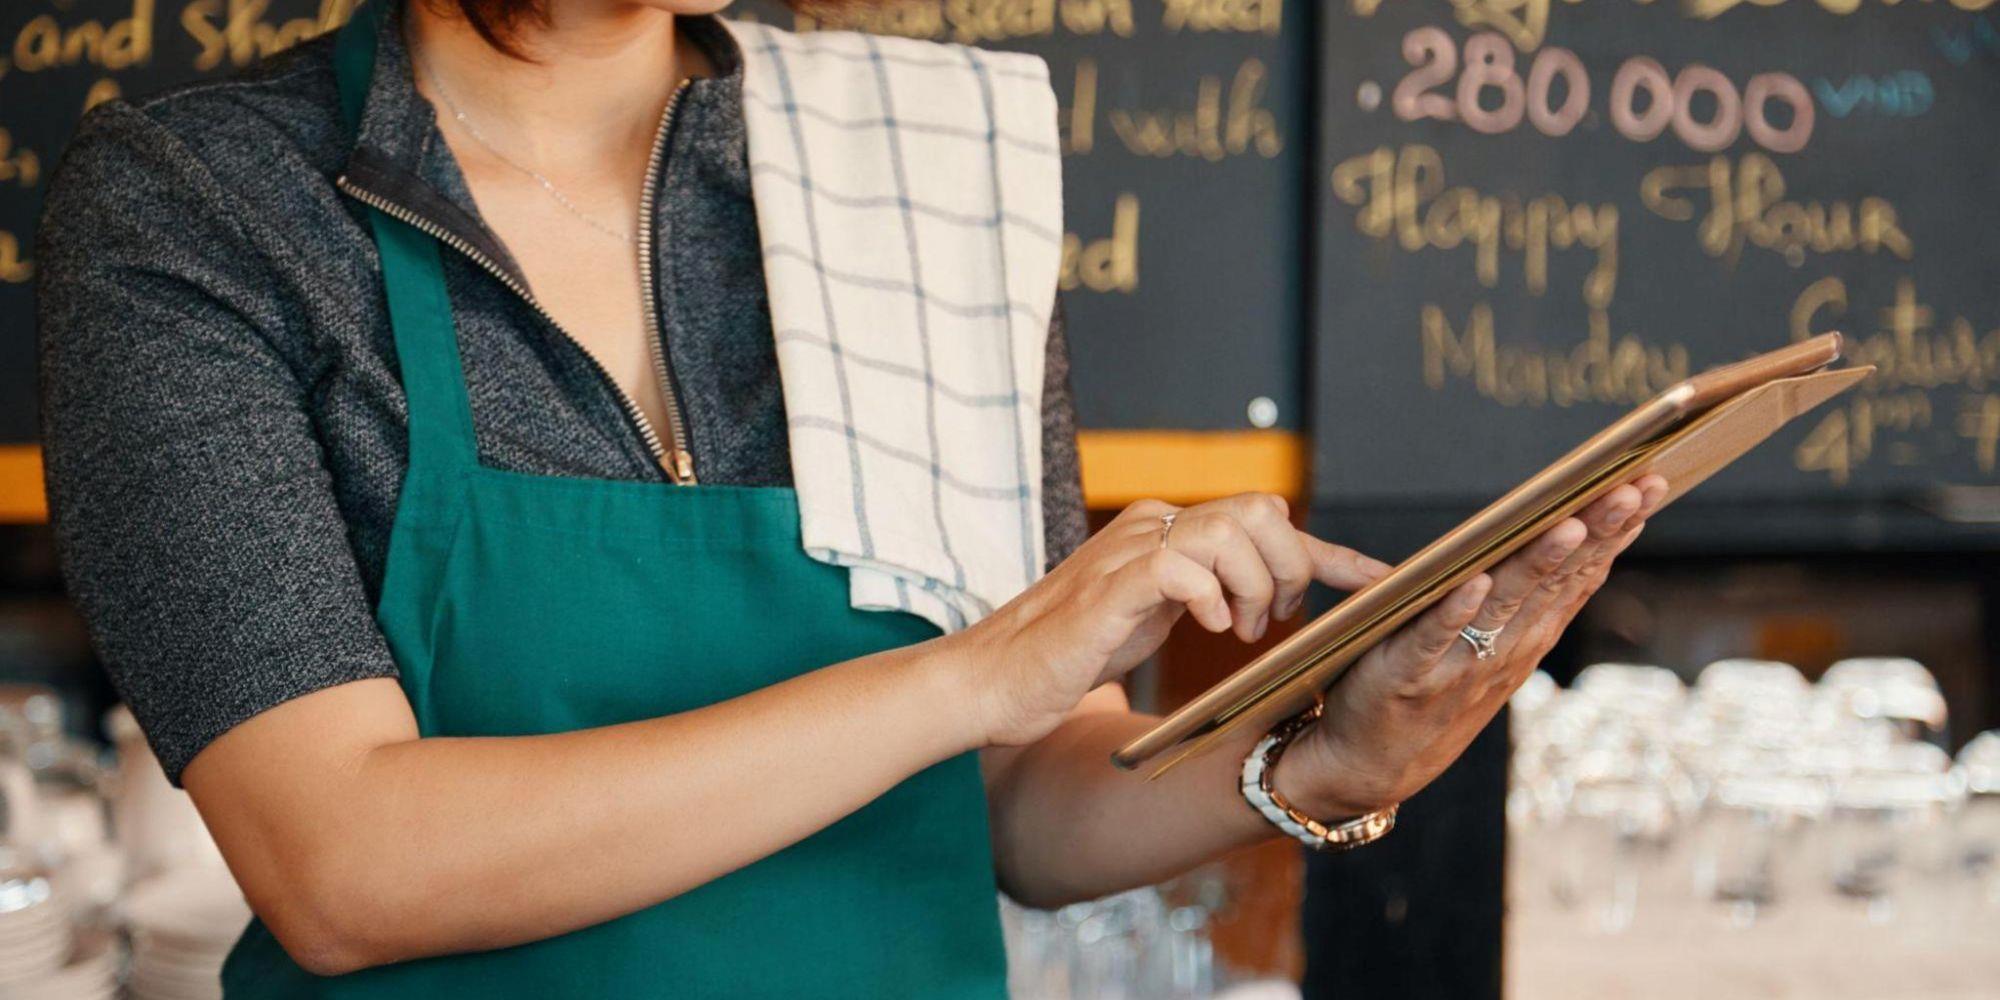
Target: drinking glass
1745	860
1896	690
1976	826
1885	829
1617	833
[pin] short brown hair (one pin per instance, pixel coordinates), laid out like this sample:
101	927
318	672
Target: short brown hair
496	20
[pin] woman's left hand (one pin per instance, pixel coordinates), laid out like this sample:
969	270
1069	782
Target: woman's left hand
1411	705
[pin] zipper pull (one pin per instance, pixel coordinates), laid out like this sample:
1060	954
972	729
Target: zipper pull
684	467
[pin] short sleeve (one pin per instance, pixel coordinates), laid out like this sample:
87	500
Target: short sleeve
1065	522
194	518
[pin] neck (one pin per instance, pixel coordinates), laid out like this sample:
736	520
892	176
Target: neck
605	70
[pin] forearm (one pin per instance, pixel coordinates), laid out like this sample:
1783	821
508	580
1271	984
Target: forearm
437	845
1067	825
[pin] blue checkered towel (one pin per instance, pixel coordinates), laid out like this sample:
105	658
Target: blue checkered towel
909	197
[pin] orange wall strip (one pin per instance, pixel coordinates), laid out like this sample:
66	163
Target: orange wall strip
21	499
1119	467
1184	467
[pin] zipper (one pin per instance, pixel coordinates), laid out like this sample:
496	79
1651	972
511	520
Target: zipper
683	459
679	465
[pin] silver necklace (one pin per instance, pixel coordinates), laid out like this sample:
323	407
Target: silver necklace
551	188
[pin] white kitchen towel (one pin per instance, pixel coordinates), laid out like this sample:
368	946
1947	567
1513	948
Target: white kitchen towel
909	199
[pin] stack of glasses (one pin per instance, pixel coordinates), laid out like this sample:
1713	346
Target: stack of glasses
1145	944
1752	790
41	956
58	869
183	924
69	887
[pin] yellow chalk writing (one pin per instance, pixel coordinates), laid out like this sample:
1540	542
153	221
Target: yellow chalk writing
975	21
1746	206
15	269
1599	369
18	165
45	43
1266	16
1401	193
1108	264
239	32
1979	424
1223	122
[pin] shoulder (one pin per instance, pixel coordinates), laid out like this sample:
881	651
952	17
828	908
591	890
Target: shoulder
255	128
237	157
850	62
209	189
286	103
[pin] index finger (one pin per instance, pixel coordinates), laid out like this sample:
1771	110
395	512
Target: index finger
1340	567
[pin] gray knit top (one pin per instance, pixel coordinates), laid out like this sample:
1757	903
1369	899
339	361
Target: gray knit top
222	418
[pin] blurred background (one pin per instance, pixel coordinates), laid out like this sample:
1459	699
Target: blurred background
1384	259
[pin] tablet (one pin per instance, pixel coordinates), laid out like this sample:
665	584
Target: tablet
1686	433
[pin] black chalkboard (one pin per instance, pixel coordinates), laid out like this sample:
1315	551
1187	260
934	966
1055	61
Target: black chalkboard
60	57
1186	157
1184	182
1505	261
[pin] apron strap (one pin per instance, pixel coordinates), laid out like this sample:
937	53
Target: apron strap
441	435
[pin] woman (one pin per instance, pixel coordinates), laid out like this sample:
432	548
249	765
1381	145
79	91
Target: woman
504	657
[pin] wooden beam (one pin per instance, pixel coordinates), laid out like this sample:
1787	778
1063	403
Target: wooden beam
21	500
1119	467
1183	467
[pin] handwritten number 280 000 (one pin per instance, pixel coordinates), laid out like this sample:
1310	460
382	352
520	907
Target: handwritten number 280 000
1644	102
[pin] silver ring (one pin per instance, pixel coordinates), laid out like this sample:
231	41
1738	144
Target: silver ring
1481	640
1167	526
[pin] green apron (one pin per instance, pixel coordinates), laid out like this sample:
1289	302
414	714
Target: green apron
518	603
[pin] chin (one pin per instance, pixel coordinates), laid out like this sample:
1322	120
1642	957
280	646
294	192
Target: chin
686	6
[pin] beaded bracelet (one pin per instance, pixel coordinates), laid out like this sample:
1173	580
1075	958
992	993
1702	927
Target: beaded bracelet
1256	787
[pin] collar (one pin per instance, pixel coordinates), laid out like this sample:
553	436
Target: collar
398	154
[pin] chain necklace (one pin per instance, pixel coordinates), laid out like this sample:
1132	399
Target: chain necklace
551	188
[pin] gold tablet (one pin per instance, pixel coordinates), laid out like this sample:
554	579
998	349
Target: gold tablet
1686	433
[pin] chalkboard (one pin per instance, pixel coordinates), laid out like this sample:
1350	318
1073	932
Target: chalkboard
1184	181
1533	214
59	58
1186	153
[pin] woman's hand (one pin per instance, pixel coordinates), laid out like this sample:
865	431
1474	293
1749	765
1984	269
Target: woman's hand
1233	563
1411	705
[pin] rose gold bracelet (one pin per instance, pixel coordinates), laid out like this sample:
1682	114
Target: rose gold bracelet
1256	788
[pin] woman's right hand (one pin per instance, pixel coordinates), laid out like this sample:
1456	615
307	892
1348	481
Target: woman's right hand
1233	563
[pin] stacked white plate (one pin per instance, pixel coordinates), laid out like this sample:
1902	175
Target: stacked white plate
89	973
34	934
183	924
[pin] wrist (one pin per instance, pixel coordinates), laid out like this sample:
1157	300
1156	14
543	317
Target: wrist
1311	775
1322	832
947	670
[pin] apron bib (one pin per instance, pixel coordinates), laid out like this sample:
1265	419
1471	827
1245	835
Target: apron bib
518	604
